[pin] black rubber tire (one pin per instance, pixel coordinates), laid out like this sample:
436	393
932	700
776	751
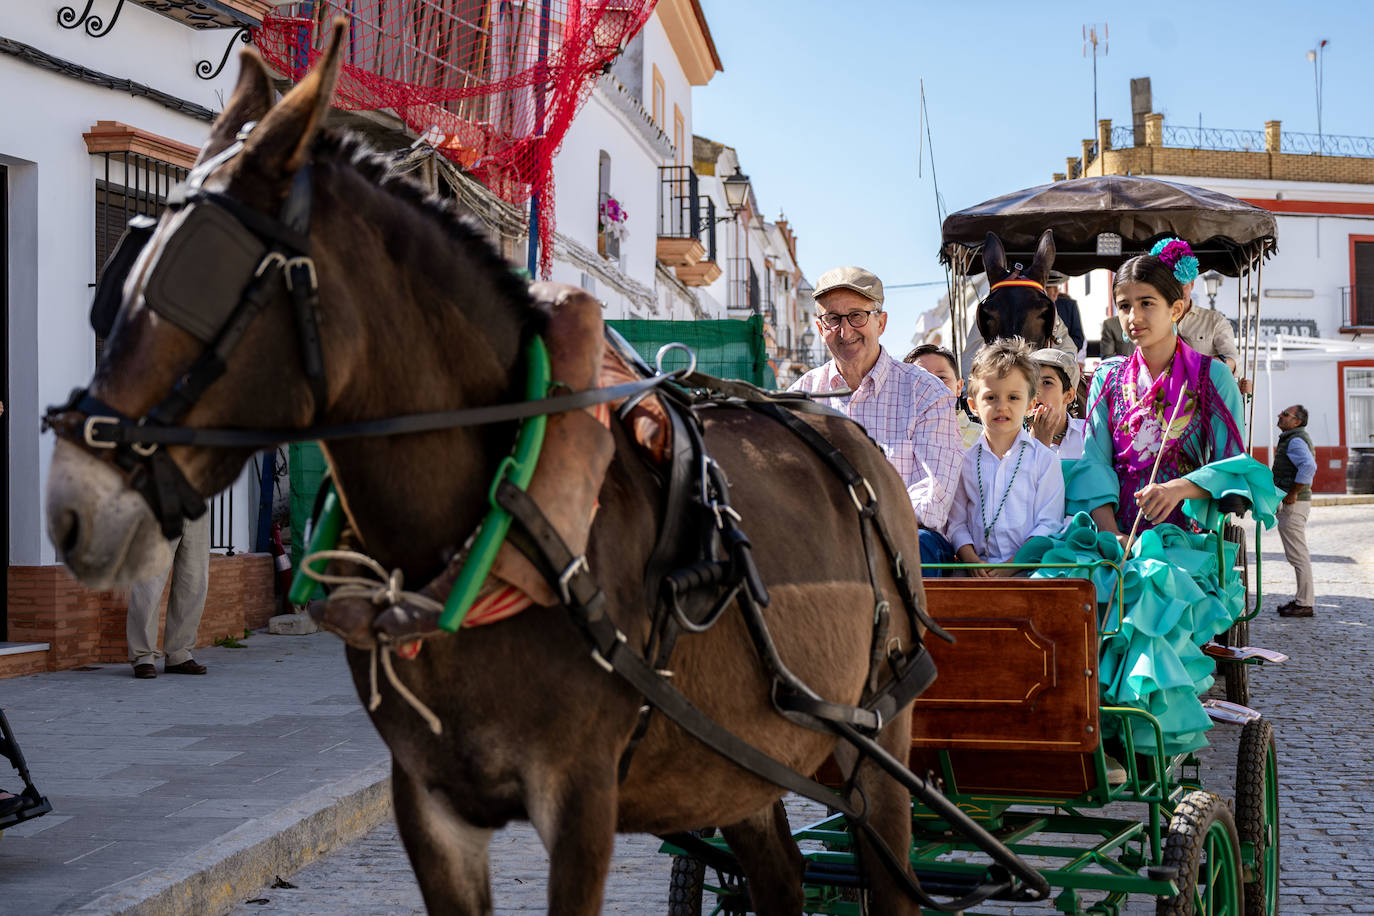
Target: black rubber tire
684	890
1202	844
1257	814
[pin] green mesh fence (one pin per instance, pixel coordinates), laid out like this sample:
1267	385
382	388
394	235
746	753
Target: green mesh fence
724	348
307	470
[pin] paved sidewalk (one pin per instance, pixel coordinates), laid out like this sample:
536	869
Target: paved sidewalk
182	794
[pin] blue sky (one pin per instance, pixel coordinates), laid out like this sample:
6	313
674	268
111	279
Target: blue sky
822	99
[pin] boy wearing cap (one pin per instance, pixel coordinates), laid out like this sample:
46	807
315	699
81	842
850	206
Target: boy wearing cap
1049	417
905	409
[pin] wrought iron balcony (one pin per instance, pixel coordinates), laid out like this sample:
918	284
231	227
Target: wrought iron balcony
686	226
1357	305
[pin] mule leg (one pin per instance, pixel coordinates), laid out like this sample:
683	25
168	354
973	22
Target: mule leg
889	811
771	861
448	855
577	825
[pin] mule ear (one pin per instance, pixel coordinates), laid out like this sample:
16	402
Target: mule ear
994	259
1044	258
281	143
250	102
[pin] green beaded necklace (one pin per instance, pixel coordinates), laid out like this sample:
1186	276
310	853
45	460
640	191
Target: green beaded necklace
982	500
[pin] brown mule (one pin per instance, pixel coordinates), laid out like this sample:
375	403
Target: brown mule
418	314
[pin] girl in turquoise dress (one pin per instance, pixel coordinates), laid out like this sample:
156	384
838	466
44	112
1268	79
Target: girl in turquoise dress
1164	398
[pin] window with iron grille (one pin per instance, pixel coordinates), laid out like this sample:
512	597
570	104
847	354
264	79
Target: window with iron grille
129	185
1362	293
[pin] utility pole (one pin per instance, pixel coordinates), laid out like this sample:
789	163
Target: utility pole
1093	39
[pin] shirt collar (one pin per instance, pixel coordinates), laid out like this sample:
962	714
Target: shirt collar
879	373
1022	436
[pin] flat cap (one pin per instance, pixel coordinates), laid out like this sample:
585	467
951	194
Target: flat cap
1059	360
861	281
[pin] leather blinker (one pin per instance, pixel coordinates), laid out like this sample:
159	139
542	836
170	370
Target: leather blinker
195	292
109	293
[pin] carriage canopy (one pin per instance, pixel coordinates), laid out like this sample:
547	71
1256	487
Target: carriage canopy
1227	235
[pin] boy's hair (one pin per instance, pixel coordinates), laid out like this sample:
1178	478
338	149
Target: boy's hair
929	349
1003	357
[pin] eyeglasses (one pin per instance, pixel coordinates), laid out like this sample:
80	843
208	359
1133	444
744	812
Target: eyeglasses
857	319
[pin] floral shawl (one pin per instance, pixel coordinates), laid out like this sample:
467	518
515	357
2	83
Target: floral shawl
1139	409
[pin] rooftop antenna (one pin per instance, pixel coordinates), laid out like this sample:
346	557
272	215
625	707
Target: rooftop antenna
1093	39
1315	56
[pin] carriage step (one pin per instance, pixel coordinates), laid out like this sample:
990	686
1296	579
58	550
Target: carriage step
1243	653
1225	711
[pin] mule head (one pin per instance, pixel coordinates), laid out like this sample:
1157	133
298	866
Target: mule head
103	529
1015	309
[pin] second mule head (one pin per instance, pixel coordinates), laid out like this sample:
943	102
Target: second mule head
1016	304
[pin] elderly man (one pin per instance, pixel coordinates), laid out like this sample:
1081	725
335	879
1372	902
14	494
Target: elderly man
1295	466
907	410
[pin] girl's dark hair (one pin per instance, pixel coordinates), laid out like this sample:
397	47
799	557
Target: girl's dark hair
1147	268
928	349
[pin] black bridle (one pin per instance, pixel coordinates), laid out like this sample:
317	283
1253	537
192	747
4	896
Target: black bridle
218	268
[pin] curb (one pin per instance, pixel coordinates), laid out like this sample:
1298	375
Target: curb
1348	499
217	877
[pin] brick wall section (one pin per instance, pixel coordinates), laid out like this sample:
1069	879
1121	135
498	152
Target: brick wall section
45	604
22	664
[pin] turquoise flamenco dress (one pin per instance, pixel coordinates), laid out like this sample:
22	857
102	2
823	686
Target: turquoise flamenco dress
1172	601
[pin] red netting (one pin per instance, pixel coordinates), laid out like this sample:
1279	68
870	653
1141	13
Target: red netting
493	84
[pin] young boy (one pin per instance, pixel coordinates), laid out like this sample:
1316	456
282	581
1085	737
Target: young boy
1050	420
1011	487
940	363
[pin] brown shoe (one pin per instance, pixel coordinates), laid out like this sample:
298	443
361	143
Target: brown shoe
190	666
145	671
1296	610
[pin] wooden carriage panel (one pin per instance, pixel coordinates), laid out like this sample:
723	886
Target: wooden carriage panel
1023	673
1024	774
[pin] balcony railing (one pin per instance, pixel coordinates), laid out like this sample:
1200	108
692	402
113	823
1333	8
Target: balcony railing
1357	305
683	211
1227	139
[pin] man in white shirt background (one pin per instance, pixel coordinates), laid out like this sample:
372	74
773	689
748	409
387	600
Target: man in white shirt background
905	409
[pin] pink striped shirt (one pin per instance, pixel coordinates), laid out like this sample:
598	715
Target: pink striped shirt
910	414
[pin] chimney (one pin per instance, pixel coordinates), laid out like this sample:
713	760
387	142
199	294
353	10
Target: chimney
1141	102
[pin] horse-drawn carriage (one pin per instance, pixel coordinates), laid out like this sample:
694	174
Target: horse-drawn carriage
248	316
1013	728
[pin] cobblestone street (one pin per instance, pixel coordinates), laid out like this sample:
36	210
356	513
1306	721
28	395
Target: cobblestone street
1317	702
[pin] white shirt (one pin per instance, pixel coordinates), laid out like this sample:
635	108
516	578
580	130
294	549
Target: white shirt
910	414
1071	446
1031	498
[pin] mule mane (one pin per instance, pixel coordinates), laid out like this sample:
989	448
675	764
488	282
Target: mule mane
352	152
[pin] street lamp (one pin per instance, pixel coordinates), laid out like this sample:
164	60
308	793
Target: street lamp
1212	281
736	190
808	338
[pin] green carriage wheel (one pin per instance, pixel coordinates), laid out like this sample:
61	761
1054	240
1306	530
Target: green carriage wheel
1237	674
1202	844
1257	815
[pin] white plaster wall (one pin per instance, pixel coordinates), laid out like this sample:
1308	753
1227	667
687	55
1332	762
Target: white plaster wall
676	90
51	231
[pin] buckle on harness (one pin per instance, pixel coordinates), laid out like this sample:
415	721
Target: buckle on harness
872	497
88	429
288	267
578	564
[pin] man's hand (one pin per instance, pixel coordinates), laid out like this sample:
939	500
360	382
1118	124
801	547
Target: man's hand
1290	499
1046	422
1246	386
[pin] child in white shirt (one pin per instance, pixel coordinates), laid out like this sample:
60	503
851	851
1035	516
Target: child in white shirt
1050	420
1011	487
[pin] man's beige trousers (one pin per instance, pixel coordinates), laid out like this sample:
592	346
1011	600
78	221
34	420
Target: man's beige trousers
1293	532
190	582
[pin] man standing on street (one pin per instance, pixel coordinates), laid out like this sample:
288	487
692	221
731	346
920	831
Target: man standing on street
1295	466
1056	287
190	572
907	410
